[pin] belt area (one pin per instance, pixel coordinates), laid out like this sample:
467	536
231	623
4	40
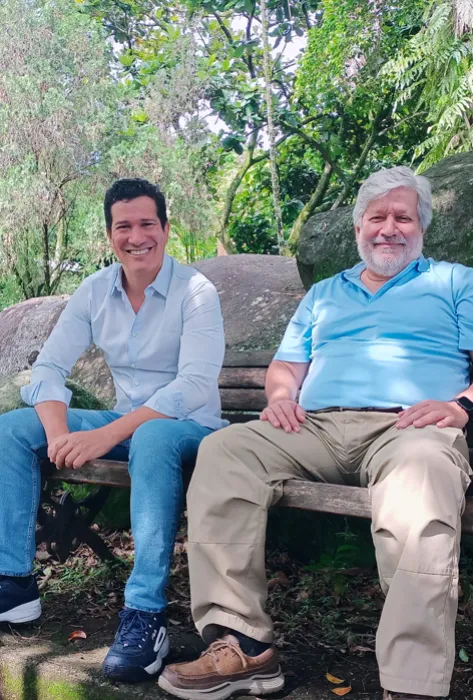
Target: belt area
365	409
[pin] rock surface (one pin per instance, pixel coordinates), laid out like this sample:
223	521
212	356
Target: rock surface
327	242
258	294
10	398
23	331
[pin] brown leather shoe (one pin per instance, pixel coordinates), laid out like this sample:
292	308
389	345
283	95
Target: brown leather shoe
388	695
224	670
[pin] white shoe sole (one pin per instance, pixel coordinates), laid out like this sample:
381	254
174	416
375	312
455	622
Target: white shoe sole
23	613
155	667
255	685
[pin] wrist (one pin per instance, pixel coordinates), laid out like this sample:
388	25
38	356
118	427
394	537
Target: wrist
275	398
54	433
465	405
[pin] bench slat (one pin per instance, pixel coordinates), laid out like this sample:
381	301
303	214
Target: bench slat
245	358
304	495
243	399
327	498
242	378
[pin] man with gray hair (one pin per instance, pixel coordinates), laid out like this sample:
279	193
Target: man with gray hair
381	355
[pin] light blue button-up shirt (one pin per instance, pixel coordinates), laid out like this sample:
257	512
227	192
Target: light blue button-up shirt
167	356
406	343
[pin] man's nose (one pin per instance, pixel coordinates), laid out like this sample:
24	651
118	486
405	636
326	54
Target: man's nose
389	227
136	236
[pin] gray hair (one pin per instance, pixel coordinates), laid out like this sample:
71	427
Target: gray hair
383	181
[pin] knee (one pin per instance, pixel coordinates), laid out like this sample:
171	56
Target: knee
154	447
211	454
229	439
20	423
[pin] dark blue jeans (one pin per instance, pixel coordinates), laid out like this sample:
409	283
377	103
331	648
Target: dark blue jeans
156	453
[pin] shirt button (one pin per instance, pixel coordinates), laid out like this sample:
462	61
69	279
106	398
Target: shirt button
134	335
133	365
137	384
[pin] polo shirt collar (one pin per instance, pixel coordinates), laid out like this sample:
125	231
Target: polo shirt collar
160	284
422	264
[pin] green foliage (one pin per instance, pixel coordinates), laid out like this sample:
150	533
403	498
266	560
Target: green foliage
435	71
56	108
340	83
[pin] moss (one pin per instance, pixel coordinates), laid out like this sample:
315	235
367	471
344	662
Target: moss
10	398
30	685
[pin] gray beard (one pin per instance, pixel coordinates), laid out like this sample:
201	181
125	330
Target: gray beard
392	266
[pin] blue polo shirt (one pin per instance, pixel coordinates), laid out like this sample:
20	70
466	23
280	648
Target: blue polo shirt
408	342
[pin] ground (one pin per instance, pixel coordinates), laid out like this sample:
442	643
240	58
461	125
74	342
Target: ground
325	618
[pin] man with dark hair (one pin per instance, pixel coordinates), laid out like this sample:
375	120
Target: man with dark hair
160	328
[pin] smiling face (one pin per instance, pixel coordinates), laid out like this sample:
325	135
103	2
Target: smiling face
390	236
138	238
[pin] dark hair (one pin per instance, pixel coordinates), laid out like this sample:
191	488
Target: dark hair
130	188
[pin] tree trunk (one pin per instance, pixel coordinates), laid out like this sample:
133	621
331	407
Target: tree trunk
271	131
46	269
311	205
232	190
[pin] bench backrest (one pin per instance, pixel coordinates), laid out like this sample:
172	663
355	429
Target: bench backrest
241	384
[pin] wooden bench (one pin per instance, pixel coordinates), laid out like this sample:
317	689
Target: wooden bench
65	524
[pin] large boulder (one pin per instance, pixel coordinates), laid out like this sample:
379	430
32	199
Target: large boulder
258	294
10	398
23	331
327	242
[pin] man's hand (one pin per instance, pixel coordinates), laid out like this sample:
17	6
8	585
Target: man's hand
75	449
284	414
443	414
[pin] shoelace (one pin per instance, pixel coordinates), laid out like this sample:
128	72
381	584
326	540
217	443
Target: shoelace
134	626
222	645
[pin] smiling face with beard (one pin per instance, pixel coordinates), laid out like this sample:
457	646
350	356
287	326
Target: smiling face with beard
390	235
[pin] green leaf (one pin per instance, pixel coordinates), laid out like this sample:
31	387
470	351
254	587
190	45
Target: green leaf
463	655
127	59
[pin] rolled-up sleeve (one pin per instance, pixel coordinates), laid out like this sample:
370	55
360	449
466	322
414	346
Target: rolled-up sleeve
70	337
462	288
201	354
296	345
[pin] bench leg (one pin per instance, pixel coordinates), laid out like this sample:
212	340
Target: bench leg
65	525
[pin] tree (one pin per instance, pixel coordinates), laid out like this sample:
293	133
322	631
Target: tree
268	76
435	70
58	107
350	106
229	53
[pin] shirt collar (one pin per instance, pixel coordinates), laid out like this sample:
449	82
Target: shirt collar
421	264
160	283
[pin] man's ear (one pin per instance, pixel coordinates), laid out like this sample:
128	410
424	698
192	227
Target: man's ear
166	230
357	232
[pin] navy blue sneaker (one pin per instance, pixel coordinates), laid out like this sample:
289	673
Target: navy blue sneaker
19	603
140	647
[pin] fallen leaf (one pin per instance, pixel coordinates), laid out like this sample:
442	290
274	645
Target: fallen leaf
333	679
279	579
463	655
341	691
77	634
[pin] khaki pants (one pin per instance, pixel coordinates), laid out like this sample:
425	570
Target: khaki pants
417	480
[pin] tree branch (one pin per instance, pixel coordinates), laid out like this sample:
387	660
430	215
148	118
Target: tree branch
311	205
324	152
